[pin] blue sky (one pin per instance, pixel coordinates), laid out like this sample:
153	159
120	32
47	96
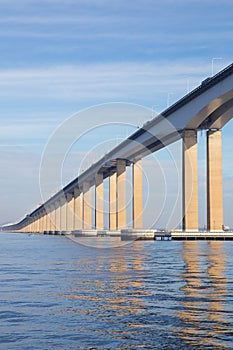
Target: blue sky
58	57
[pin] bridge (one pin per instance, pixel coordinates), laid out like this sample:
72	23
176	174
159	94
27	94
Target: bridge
208	107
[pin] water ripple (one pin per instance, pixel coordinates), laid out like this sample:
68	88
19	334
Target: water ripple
55	294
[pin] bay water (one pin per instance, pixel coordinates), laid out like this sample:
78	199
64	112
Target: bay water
59	294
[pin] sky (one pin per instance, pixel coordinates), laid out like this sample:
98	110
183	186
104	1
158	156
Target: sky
59	57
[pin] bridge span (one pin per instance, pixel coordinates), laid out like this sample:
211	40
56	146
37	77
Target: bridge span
208	107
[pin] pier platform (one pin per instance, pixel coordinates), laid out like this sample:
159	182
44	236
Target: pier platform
202	236
150	234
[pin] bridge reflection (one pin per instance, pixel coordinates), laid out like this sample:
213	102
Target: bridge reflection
203	314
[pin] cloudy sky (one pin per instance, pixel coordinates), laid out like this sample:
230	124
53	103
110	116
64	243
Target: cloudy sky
61	56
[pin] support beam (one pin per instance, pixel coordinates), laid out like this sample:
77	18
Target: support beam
112	202
78	209
214	181
121	194
137	195
99	202
190	181
87	206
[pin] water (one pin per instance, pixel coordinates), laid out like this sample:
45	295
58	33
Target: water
56	294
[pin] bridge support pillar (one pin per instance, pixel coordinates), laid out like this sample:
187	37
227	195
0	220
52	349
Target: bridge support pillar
47	219
70	212
112	202
37	223
63	205
31	226
137	195
78	209
121	194
99	202
52	217
40	222
57	216
87	207
214	181
47	223
190	181
43	219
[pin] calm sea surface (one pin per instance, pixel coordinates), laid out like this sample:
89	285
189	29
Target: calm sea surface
57	294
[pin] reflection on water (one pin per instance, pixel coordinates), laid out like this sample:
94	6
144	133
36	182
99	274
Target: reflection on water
204	317
56	294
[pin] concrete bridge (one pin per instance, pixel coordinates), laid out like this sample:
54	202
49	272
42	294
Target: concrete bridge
208	107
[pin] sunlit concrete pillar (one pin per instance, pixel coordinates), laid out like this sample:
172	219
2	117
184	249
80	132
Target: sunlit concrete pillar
121	193
37	223
63	205
44	221
57	216
113	202
99	202
214	181
31	225
87	206
34	224
52	217
137	195
40	222
47	219
70	212
190	181
28	227
78	209
50	213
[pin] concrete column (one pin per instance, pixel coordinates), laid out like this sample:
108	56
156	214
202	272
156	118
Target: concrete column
32	225
137	195
40	223
99	202
37	223
87	207
50	222
57	216
63	205
52	217
112	202
44	221
47	219
121	194
28	228
78	209
70	212
190	181
214	181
